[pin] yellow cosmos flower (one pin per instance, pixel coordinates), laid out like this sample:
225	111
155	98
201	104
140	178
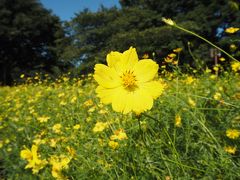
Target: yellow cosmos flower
113	144
119	134
191	102
127	83
217	96
33	159
43	119
76	127
231	30
230	149
59	163
178	121
232	133
177	50
222	59
57	128
233	47
100	126
235	66
189	80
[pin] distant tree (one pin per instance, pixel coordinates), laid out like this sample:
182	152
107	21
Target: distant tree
138	23
29	38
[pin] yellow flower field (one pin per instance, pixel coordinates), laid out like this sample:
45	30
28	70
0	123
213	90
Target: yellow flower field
124	123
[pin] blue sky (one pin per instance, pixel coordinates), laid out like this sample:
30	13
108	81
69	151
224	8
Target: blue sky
65	9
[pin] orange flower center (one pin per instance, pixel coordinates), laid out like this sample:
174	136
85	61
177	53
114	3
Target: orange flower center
129	80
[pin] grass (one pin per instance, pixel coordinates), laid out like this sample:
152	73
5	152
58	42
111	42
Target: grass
156	147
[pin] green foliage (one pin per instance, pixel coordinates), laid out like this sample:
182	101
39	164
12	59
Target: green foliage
156	147
138	24
29	36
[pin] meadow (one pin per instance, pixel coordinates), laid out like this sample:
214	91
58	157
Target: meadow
60	130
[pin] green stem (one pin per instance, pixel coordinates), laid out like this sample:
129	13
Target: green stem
141	131
220	49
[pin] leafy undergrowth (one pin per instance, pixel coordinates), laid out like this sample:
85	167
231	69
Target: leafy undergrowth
61	130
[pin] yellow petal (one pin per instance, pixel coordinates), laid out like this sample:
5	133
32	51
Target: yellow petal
106	76
138	101
119	99
145	70
26	154
106	95
142	101
113	58
129	59
154	88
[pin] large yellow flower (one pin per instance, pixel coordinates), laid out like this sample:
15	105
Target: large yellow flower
33	159
127	83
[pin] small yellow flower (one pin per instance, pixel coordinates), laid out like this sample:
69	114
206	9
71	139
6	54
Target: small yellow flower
63	103
61	94
119	134
127	83
222	59
232	133
59	163
71	151
74	99
92	109
235	66
191	102
231	30
100	126
113	144
233	47
213	76
178	121
88	103
53	142
230	149
175	62
208	70
168	60
33	159
76	127
57	128
22	76
189	80
43	119
168	21
177	50
216	68
217	96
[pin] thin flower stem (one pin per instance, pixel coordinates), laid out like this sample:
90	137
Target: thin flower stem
141	132
220	49
202	97
150	117
190	167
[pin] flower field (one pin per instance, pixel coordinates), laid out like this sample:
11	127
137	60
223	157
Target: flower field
62	130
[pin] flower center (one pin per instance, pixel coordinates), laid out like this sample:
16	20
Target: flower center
129	80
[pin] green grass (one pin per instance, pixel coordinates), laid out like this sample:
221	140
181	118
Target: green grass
155	148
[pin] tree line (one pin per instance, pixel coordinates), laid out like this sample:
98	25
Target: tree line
33	39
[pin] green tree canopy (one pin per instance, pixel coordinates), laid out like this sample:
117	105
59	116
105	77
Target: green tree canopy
29	35
138	23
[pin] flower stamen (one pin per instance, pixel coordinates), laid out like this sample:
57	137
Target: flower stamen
129	80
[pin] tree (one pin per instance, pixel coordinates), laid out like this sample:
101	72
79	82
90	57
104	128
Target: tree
138	23
29	35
